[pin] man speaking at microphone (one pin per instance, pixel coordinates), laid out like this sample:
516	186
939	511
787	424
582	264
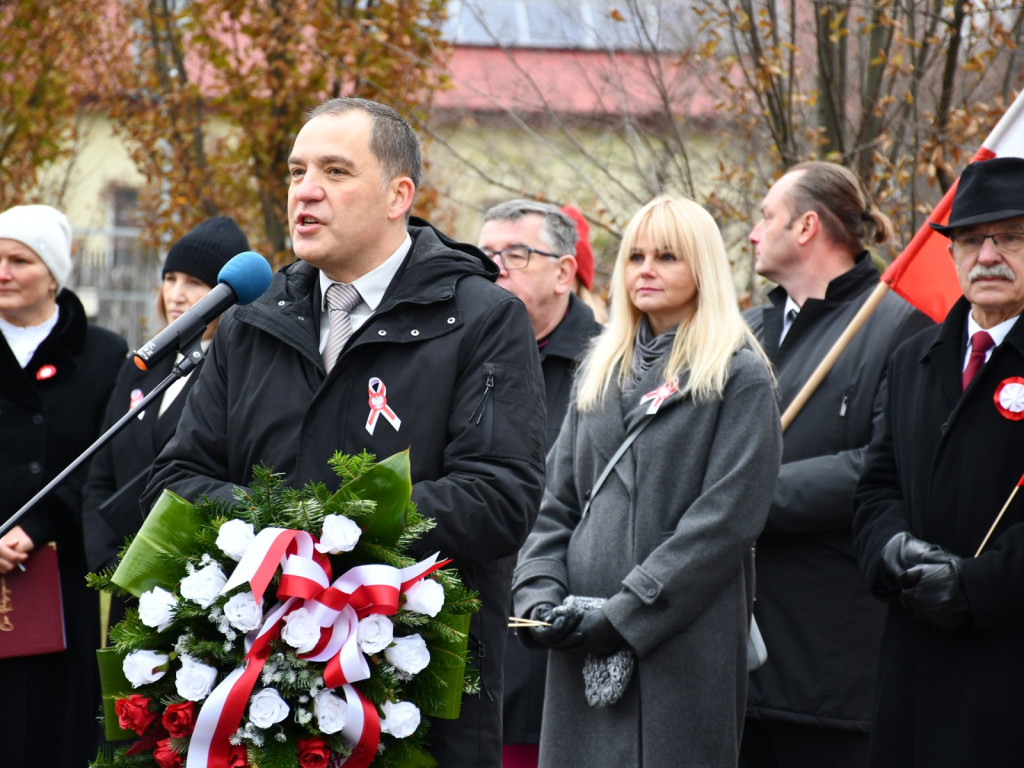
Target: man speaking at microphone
384	335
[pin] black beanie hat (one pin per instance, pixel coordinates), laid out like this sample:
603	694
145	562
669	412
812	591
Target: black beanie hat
208	247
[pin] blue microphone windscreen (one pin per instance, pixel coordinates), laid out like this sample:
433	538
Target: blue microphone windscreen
248	274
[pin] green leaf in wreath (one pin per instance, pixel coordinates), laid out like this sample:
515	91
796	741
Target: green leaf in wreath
448	662
389	484
113	683
167	532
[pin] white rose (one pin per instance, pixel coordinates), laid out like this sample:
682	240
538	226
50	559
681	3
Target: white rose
194	680
375	633
330	712
204	585
243	612
301	631
266	708
401	718
339	535
426	596
234	538
408	654
156	608
143	667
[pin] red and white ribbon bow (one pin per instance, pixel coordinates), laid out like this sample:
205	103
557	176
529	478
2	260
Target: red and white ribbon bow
660	395
337	607
379	406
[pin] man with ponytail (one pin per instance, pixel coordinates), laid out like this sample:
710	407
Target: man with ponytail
811	702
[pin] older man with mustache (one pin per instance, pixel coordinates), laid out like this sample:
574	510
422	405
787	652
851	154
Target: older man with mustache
952	453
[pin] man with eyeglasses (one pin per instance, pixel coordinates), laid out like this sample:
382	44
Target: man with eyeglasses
534	246
953	451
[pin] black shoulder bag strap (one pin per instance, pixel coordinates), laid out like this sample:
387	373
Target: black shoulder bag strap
614	459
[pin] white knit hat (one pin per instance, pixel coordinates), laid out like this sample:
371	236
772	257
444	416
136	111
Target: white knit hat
46	231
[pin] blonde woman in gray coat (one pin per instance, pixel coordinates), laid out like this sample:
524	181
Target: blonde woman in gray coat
655	580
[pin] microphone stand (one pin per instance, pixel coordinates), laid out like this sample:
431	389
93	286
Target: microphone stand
192	352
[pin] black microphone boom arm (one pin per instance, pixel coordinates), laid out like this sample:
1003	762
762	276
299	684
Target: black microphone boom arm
192	355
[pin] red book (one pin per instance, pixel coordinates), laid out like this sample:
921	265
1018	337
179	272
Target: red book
31	608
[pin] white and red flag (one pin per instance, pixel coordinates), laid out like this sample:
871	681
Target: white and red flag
923	274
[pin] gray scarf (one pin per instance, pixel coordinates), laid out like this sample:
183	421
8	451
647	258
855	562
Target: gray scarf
648	349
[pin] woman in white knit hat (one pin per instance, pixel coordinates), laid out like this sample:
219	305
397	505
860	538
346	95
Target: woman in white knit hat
56	373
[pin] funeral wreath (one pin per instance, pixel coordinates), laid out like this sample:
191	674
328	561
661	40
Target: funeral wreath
288	629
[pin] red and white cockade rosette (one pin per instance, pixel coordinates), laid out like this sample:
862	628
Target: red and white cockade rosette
1009	398
306	592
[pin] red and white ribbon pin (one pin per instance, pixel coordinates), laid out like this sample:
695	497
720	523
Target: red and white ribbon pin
379	406
660	395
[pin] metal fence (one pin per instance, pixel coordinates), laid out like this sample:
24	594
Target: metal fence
116	276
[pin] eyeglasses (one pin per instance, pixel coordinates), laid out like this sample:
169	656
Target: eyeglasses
1006	243
518	256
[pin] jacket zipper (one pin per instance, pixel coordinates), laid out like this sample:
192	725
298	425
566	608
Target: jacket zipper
478	412
842	407
481	653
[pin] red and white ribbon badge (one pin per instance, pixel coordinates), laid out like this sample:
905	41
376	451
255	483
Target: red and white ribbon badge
660	395
379	406
1009	398
134	399
46	372
338	606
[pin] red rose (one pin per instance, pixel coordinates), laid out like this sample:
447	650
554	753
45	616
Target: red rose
313	752
165	755
149	740
179	719
133	713
238	757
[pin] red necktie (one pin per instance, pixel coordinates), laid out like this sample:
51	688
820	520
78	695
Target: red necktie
981	342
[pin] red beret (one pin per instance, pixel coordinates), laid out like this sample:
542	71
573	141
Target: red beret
584	256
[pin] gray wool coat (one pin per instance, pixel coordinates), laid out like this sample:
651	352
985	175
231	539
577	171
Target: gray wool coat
668	541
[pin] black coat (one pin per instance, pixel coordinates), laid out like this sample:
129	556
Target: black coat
120	468
46	423
558	359
821	626
945	466
524	668
459	362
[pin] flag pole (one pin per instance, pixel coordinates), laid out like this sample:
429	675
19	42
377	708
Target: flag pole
833	354
999	516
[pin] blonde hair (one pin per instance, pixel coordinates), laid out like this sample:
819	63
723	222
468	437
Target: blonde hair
706	338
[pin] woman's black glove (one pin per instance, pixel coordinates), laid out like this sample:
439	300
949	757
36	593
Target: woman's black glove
597	635
902	552
560	634
934	594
